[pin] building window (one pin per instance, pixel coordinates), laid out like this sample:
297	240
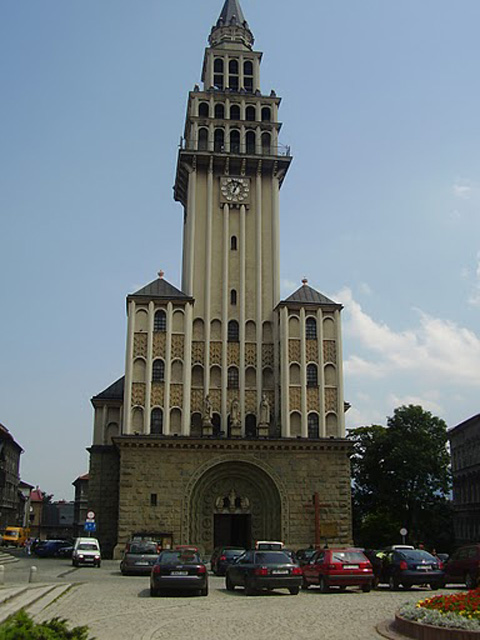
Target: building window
219	140
248	76
250	114
232	378
156	422
313	428
312	375
233	297
203	139
203	109
235	141
233	75
158	371
153	499
233	331
160	321
233	243
234	112
266	114
311	329
266	143
250	140
219	111
218	73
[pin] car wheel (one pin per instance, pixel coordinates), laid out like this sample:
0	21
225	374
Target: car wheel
204	591
470	581
229	584
393	584
294	591
249	588
153	592
324	588
406	587
366	588
434	586
305	584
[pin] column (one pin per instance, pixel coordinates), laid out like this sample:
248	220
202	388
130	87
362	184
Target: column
242	241
275	240
168	371
225	300
259	291
189	235
303	373
127	394
208	278
256	75
187	371
148	375
340	398
321	378
284	382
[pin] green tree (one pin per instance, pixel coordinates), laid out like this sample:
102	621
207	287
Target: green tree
401	478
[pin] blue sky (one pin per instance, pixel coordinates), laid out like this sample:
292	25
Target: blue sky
380	209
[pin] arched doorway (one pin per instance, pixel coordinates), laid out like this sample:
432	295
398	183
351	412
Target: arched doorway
234	503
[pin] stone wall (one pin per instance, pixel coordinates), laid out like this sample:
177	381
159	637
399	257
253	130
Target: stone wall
103	495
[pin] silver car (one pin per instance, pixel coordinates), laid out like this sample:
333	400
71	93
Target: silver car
139	557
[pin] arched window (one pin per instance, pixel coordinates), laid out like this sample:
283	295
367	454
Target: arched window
233	297
233	331
219	140
218	65
248	76
233	75
311	329
219	111
266	114
218	73
204	109
312	375
250	139
250	113
233	243
232	378
235	141
313	428
156	421
234	112
203	139
160	320
158	371
266	144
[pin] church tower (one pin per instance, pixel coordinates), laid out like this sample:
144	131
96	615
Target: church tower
226	383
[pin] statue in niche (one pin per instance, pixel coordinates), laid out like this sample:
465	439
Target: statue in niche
207	411
235	413
264	410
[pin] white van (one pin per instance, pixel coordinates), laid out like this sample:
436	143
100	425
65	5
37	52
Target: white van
269	545
86	551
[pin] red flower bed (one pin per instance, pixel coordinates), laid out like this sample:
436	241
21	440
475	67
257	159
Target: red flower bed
465	604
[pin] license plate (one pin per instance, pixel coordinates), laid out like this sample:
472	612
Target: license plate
350	566
142	564
179	573
424	567
280	572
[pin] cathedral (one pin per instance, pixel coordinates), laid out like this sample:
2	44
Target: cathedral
228	425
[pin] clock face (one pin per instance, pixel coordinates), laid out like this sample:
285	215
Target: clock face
235	189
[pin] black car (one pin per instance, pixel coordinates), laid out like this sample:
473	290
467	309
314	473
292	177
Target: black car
179	570
304	556
222	557
257	570
408	567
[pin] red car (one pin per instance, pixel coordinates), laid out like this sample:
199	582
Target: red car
338	568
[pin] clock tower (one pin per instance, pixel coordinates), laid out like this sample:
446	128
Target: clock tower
228	425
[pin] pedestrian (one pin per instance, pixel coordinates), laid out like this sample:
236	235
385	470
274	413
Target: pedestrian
28	546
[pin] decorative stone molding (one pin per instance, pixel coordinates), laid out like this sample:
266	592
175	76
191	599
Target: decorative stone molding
159	342
330	399
178	346
140	345
267	355
176	395
233	353
138	394
311	350
157	394
198	352
197	400
295	401
251	401
294	350
313	401
250	354
216	353
329	351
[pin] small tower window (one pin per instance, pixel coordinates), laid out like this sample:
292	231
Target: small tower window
156	422
235	141
250	140
219	111
218	73
158	371
311	329
233	243
160	321
204	110
266	144
232	378
219	140
248	76
233	297
233	331
233	75
266	114
312	375
234	112
313	429
203	139
250	113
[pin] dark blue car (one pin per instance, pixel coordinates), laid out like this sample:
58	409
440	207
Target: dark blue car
51	548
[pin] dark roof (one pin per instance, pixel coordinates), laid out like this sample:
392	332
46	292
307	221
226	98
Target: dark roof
6	435
465	424
231	8
306	295
113	392
160	288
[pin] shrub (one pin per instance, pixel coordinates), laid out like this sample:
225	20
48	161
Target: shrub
21	627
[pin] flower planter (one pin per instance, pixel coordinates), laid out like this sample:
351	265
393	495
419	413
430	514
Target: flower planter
420	631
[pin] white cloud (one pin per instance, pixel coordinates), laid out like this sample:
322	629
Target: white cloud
427	400
474	298
289	286
462	190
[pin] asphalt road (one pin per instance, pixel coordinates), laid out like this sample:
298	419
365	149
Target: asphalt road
117	607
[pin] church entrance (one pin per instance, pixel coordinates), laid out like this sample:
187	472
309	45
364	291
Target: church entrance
232	530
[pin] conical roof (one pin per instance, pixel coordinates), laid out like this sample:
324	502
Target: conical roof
307	295
160	288
231	27
231	10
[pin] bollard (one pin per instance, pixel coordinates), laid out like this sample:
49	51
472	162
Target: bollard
33	574
2	574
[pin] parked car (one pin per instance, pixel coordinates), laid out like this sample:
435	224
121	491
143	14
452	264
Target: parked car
139	557
222	557
338	568
305	555
50	548
179	570
66	552
86	551
463	566
256	570
408	567
269	545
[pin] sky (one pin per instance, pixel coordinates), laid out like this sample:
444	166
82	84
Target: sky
379	210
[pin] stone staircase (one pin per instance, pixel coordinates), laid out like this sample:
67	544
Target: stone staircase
7	558
32	598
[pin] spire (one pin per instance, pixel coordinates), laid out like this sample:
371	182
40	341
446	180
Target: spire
231	26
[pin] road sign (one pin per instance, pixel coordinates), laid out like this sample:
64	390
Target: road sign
89	526
90	515
403	531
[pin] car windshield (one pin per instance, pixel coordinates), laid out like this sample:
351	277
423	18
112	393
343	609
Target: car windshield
272	557
348	557
233	553
178	557
143	547
416	555
87	546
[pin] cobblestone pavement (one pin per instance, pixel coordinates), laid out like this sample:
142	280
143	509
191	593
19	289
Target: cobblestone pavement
117	607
